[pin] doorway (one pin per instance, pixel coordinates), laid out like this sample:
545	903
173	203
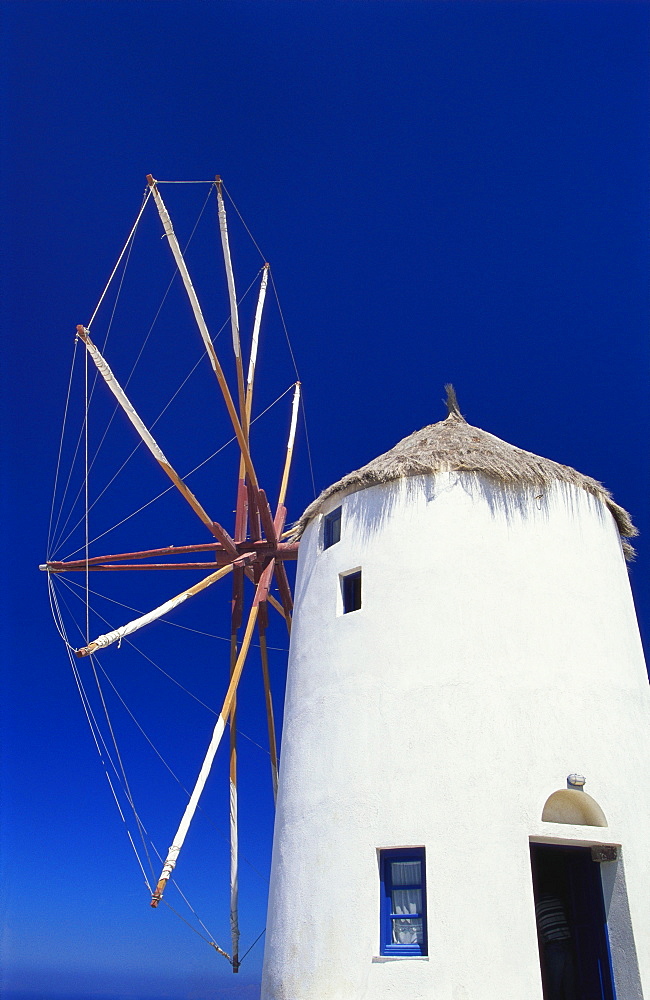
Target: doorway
571	924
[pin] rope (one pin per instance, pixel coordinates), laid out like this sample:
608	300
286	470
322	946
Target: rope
137	649
124	782
58	461
252	946
97	738
98	449
186	476
97	734
160	415
302	396
189	905
158	667
58	619
61	541
125	785
155	319
253	240
207	940
96	667
129	240
56	545
86	522
304	420
130	236
119	288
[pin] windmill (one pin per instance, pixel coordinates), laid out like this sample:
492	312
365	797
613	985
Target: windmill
254	552
464	642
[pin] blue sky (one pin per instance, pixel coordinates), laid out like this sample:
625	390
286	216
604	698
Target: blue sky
446	192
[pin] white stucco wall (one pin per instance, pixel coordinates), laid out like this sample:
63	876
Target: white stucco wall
496	651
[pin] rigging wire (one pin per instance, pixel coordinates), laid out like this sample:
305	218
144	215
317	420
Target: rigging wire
284	325
129	243
97	738
95	729
145	199
86	520
252	946
253	240
61	541
286	333
185	476
302	396
178	684
153	663
167	621
207	940
99	446
144	344
125	781
90	713
58	461
58	543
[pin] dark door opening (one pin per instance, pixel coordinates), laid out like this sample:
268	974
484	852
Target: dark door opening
571	924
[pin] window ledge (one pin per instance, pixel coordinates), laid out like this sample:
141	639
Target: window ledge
400	958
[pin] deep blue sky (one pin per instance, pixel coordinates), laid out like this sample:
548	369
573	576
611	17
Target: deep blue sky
446	192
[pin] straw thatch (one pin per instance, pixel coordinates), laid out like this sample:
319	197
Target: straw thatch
453	445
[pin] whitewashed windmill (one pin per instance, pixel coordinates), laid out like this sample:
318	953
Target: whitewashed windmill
464	639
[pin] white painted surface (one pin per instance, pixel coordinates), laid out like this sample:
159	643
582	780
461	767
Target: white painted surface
496	651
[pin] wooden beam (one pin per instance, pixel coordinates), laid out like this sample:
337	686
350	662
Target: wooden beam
181	833
284	551
203	329
273	750
147	438
133	626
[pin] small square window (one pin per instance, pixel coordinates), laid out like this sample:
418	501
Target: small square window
351	592
332	528
403	902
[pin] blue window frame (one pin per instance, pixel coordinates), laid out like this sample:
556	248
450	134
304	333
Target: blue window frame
351	590
332	528
403	902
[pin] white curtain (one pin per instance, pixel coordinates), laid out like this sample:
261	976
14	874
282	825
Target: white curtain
406	872
406	901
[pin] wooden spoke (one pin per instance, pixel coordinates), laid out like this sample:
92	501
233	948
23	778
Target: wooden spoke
133	626
181	833
234	314
261	628
203	329
151	444
290	443
236	619
259	548
254	343
267	518
285	592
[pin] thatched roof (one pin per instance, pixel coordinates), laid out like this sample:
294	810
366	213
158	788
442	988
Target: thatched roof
453	445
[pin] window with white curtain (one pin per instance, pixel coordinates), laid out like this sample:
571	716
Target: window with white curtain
403	901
